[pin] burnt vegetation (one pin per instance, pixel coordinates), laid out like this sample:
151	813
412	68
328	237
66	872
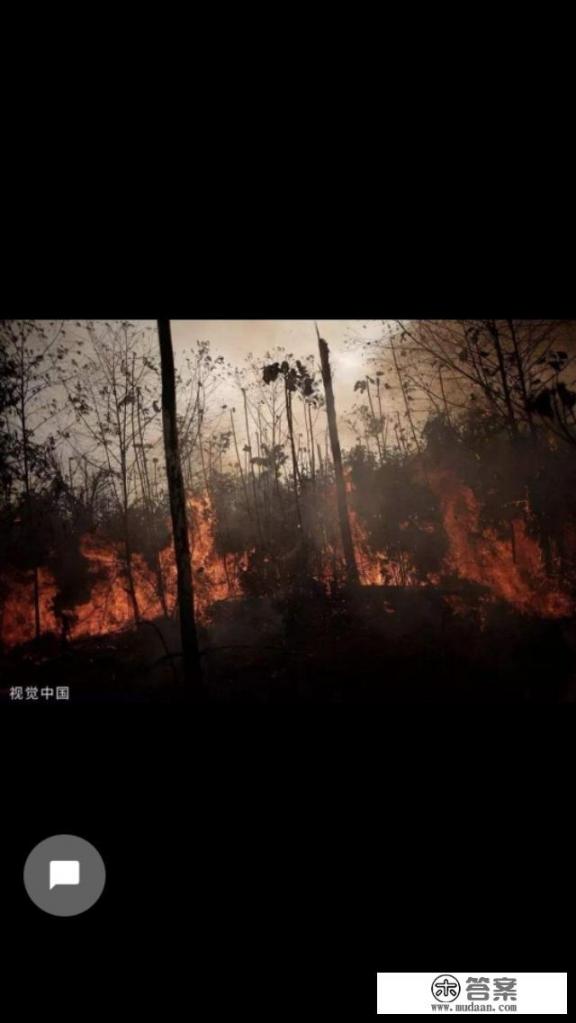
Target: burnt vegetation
417	544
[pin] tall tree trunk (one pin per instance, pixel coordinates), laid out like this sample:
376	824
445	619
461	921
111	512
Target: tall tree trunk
319	450
123	445
522	379
312	454
36	574
345	531
177	494
382	420
400	435
443	393
405	397
252	471
374	421
240	469
127	542
295	472
494	333
147	496
128	566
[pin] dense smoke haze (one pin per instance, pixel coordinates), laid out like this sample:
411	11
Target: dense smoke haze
431	520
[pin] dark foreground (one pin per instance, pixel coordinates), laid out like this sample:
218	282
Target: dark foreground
379	646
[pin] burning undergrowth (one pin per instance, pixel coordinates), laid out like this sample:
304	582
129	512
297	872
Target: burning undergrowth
419	528
422	541
87	593
466	565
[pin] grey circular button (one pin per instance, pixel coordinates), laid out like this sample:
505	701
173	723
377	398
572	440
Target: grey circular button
64	875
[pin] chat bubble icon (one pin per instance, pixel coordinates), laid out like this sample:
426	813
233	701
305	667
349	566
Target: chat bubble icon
64	872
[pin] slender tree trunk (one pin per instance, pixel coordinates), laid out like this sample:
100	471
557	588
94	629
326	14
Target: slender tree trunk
307	460
123	443
240	469
522	379
147	497
382	431
443	393
312	455
29	507
295	472
127	542
493	330
177	494
138	446
376	428
201	450
143	445
320	464
252	471
405	397
345	531
399	434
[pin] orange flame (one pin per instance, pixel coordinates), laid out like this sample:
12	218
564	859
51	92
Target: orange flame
479	555
512	572
109	607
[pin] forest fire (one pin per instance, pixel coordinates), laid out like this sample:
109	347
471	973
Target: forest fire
510	572
434	513
513	570
109	607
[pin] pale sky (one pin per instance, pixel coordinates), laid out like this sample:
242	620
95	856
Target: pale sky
234	339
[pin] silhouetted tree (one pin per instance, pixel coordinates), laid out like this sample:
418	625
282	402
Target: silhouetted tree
177	495
345	531
33	350
114	405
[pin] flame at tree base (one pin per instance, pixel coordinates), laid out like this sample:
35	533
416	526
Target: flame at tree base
511	570
110	607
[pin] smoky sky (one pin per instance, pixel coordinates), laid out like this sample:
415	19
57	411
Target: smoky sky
235	339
